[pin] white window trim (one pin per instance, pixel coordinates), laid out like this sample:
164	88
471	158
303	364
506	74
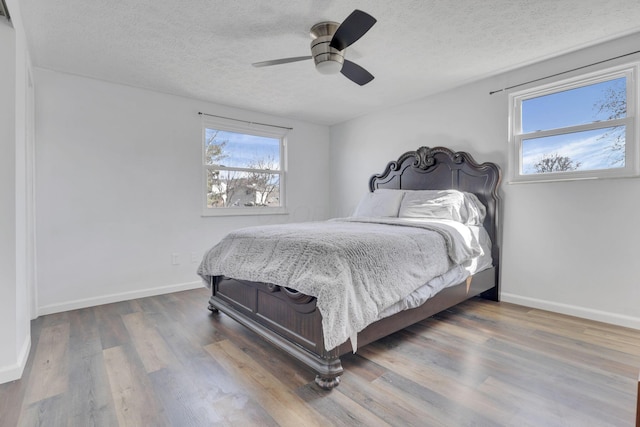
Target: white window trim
632	162
247	128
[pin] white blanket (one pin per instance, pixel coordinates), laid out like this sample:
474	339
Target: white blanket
355	267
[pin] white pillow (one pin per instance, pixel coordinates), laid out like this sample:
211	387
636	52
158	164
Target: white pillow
476	211
380	203
443	204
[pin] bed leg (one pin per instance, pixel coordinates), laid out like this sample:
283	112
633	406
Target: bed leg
492	294
212	308
329	370
327	383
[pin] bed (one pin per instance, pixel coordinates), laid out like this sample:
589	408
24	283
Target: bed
292	319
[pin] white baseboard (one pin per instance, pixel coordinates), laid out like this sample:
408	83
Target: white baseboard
123	296
572	310
14	372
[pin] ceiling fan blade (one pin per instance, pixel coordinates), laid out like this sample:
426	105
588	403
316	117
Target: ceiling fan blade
281	61
356	73
351	29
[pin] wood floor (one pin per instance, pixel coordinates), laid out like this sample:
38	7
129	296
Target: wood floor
166	361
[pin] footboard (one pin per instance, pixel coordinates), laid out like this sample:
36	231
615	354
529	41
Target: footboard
286	318
290	320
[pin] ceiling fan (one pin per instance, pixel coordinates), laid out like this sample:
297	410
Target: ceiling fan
329	42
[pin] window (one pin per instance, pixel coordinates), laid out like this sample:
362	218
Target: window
580	128
243	168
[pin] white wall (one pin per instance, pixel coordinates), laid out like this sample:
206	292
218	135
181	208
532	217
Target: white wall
569	247
7	198
16	226
119	189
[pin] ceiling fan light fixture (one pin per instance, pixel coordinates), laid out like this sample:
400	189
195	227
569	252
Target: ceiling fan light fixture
328	60
329	67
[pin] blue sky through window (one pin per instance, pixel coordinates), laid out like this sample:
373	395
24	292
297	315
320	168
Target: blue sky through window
568	108
578	106
245	150
589	148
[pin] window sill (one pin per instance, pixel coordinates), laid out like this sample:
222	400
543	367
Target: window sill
214	212
542	181
521	180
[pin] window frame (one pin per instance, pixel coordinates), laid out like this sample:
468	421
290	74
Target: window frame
516	136
246	128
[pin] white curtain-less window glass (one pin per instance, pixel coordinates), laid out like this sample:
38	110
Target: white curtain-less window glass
576	129
243	171
577	151
587	104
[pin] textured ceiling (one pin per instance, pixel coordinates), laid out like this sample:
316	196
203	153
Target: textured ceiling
203	48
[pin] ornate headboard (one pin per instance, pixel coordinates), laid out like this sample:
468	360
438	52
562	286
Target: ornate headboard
439	168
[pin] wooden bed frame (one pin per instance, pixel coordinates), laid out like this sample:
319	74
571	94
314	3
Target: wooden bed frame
290	320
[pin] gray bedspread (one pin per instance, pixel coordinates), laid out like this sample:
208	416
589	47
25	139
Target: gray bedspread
355	267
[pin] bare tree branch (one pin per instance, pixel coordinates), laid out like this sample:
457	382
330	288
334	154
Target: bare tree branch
555	163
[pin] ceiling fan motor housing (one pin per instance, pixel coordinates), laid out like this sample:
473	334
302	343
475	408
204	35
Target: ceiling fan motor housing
328	60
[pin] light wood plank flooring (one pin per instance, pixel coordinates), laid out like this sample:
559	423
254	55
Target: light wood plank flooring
167	361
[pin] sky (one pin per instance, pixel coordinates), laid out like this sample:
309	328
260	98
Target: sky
569	108
244	150
589	148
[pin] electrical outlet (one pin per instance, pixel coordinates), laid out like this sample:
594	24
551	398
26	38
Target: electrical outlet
194	258
175	258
